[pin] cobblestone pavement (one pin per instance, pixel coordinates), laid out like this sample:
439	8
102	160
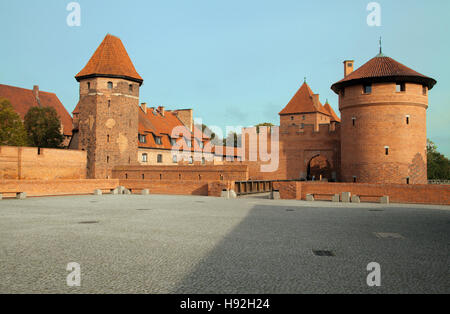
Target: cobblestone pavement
183	244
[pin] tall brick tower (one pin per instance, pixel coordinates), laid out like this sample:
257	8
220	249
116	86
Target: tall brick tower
106	117
383	131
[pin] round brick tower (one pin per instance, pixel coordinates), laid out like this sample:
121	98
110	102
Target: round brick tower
383	130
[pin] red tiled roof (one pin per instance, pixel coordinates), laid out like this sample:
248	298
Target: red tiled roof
23	99
154	123
334	117
382	69
110	60
303	102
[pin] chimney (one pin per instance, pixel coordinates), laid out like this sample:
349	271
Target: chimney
315	98
36	94
348	67
144	107
186	116
161	110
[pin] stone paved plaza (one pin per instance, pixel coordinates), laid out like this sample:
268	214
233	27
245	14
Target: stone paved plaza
183	244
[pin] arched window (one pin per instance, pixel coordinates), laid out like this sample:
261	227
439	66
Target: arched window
110	85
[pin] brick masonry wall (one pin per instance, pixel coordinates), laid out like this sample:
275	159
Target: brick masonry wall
55	187
398	193
192	172
297	147
177	187
380	121
24	163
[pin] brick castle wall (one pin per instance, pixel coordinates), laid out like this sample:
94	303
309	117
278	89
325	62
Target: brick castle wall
192	173
380	121
108	124
398	193
55	187
31	163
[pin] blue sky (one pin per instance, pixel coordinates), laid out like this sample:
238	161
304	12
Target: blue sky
233	62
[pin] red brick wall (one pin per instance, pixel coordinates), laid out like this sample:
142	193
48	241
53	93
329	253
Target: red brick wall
56	187
24	163
381	121
108	114
177	187
297	147
398	193
236	172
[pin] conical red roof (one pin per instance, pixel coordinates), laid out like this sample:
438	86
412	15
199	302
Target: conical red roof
303	102
334	117
383	69
110	60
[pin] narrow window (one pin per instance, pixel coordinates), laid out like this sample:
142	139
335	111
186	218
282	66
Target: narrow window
407	180
400	87
143	176
174	159
126	175
144	157
39	150
407	119
354	179
354	121
386	150
160	176
160	158
110	85
191	160
424	90
109	104
89	85
199	177
107	138
367	89
203	160
130	87
179	177
107	159
221	177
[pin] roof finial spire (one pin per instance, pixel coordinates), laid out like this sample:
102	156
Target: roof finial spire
381	47
305	79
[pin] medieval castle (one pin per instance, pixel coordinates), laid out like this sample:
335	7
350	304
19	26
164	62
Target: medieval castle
380	137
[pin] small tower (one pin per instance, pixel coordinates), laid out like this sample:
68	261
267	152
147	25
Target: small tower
106	117
383	130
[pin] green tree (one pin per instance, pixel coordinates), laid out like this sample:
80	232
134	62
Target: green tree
263	124
233	138
12	131
438	165
44	127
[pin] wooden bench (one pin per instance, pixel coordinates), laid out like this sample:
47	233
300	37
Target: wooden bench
20	195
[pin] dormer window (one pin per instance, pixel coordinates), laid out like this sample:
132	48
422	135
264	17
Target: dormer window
188	142
158	140
142	138
367	88
173	141
110	85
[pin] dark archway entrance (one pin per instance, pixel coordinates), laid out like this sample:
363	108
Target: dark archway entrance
319	168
